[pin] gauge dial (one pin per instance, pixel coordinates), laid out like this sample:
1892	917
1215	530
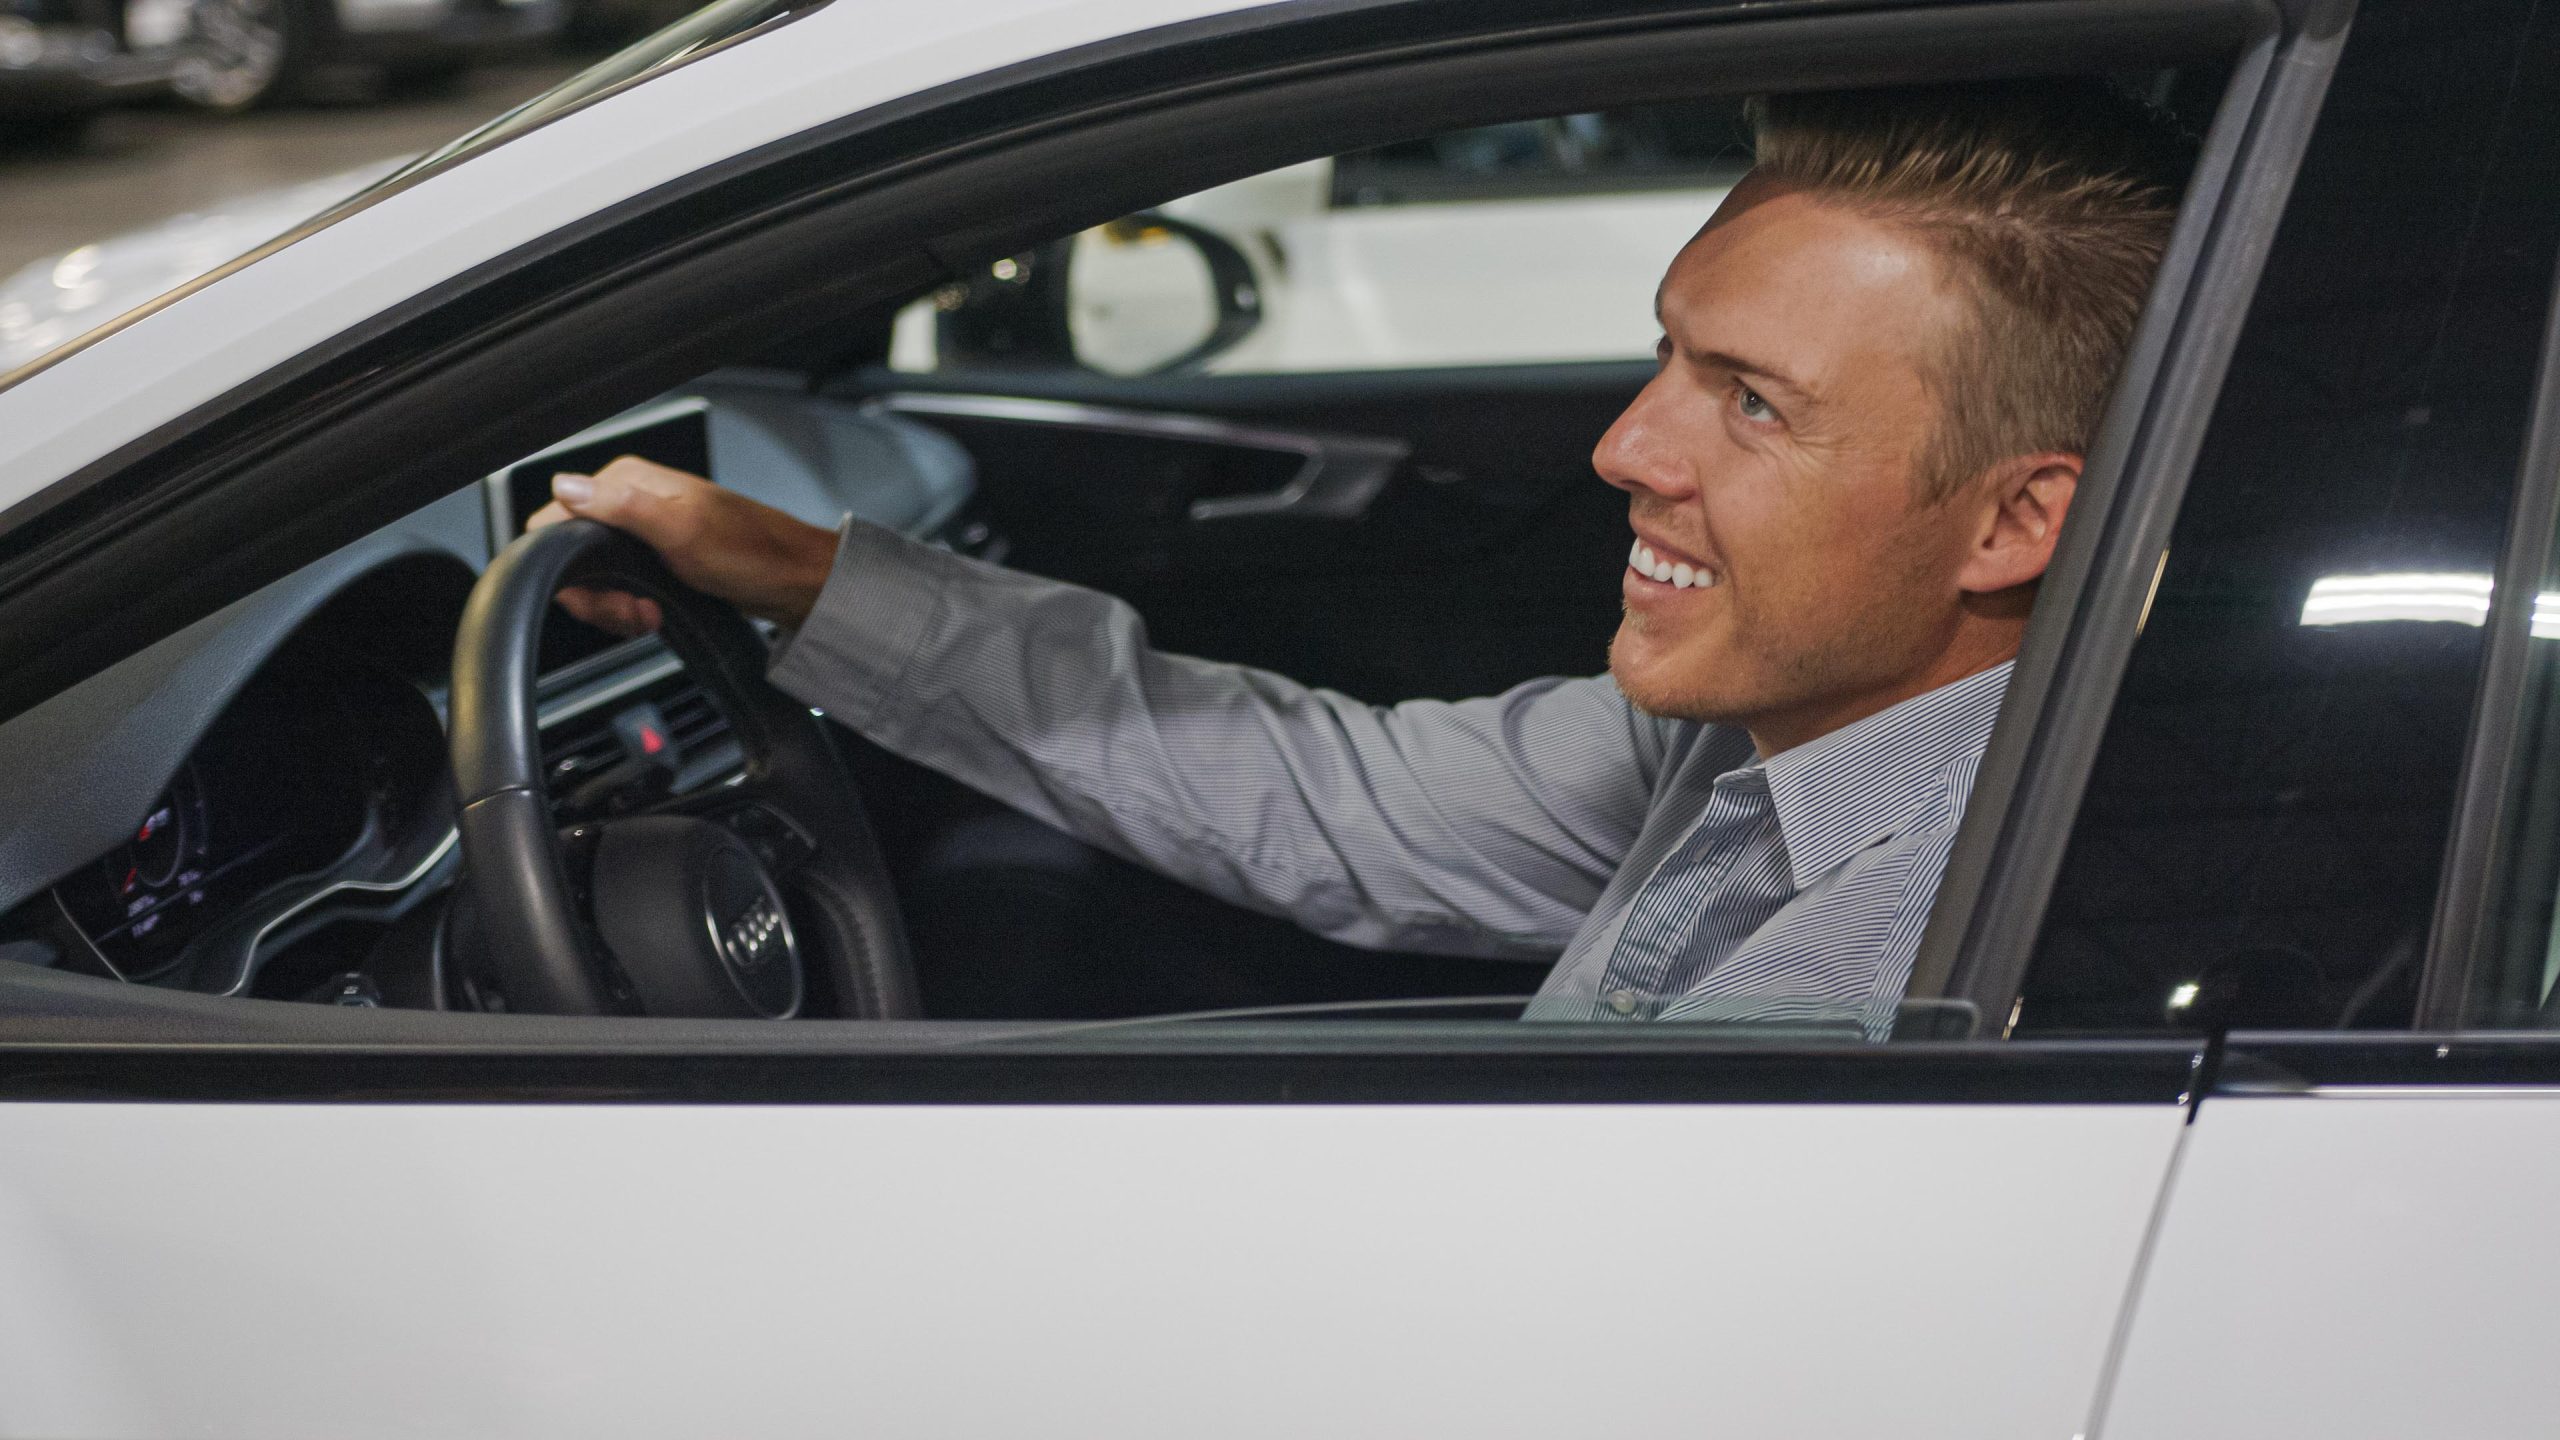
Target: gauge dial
163	859
157	849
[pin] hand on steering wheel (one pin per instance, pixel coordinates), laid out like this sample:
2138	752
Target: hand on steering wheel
689	909
767	563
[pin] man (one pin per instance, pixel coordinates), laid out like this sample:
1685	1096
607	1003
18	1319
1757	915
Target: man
1882	362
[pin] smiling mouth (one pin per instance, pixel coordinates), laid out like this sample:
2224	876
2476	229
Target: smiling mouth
1678	574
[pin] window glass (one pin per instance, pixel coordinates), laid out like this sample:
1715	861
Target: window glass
2519	959
2262	837
1519	243
1069	833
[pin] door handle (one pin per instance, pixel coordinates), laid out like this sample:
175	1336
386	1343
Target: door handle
1336	479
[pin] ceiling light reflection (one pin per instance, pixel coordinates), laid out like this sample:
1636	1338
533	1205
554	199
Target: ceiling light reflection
2460	598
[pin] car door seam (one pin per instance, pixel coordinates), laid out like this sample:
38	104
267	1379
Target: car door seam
2129	1302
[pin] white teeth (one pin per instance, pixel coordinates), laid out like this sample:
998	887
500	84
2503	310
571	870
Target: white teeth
1642	560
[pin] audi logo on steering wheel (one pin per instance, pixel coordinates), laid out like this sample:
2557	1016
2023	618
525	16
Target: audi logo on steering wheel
752	938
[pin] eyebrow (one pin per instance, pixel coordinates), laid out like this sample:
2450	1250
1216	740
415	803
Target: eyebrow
1727	360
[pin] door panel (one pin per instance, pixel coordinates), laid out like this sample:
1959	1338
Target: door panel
1490	554
539	1270
2355	1267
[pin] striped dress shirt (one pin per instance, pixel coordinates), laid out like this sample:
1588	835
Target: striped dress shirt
1666	871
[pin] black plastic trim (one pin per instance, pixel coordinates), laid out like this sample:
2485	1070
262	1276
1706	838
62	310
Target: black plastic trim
1255	1067
2297	1064
2459	941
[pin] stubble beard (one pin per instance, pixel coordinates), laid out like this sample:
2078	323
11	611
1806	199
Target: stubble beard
1780	674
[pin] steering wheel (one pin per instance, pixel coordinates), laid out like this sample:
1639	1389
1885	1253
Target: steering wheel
679	910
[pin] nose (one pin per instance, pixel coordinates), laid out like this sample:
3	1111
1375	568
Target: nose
1637	454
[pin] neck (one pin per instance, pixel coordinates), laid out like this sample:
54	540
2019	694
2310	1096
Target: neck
1973	652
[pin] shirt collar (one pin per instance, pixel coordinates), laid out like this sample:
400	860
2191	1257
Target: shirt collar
1863	783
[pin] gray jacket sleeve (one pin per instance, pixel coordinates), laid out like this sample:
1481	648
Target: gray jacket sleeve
1484	827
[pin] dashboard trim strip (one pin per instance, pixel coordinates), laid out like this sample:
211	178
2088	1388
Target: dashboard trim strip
416	874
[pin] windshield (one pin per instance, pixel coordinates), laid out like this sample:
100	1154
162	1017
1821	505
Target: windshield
138	274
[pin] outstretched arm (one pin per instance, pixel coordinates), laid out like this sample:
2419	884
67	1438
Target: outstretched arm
1482	827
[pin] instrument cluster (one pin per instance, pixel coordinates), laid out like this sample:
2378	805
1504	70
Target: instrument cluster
272	792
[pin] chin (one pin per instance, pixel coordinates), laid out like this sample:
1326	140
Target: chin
1659	683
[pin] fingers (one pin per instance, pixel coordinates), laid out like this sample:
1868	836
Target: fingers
612	610
756	557
651	479
649	500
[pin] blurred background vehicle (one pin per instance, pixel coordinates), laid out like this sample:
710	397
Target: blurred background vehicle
615	22
249	53
62	61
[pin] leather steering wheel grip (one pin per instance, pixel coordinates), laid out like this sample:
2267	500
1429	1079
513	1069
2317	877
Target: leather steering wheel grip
525	911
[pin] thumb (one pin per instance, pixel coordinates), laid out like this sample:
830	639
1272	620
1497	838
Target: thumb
606	497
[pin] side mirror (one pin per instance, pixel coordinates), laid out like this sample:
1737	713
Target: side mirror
1144	295
1153	295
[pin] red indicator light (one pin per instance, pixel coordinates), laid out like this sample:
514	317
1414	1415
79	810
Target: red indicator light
651	742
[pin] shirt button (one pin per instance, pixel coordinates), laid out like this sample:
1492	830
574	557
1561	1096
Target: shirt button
1623	1001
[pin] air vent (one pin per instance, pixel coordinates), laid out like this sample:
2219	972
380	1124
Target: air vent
578	747
692	720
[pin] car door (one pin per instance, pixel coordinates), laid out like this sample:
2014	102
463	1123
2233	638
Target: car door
2352	650
233	1217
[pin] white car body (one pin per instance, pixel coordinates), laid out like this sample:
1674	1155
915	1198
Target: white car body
2166	1270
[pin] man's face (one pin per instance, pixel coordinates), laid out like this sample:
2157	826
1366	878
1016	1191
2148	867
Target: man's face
1775	454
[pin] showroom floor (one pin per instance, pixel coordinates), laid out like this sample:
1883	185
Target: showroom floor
139	167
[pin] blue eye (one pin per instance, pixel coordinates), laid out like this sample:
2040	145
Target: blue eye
1753	407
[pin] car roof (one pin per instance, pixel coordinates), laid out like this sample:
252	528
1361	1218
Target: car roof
103	396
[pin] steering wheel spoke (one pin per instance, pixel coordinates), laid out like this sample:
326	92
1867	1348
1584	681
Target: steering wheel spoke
784	845
750	809
688	893
754	807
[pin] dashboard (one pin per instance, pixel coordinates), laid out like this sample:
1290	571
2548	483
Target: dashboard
232	824
259	804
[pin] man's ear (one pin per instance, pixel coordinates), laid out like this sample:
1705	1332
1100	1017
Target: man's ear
2023	501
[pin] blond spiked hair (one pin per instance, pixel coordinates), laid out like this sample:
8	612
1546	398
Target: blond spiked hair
2050	201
